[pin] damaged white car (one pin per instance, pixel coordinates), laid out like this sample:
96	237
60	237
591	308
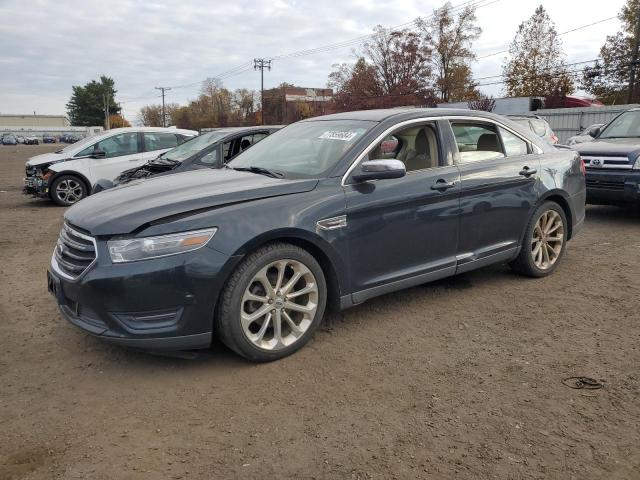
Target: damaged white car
68	175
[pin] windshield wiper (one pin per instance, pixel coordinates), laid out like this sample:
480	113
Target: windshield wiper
259	170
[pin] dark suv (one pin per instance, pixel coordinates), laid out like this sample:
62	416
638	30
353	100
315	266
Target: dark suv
327	212
613	160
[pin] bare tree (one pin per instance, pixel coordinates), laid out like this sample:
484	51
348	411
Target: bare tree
448	39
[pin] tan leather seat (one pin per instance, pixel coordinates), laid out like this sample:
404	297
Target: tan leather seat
424	154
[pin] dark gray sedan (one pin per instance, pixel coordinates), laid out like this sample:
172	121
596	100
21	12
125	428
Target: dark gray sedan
325	213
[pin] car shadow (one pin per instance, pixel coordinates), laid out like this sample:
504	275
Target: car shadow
613	213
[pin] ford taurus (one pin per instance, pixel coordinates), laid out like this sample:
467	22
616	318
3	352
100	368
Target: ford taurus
325	213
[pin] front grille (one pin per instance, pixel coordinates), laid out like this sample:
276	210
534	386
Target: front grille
74	252
605	185
600	162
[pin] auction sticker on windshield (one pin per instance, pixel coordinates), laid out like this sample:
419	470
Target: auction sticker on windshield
344	136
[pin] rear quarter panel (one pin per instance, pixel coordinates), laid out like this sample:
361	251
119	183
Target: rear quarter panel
561	176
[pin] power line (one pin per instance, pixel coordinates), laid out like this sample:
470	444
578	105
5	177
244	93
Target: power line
560	34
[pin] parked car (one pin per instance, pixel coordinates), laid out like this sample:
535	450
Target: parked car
9	139
612	160
48	138
68	175
19	139
31	140
313	216
208	150
537	125
584	135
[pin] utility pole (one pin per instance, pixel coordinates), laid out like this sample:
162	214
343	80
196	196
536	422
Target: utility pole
634	62
261	63
105	99
164	118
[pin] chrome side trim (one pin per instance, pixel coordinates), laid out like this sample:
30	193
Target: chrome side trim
537	150
332	223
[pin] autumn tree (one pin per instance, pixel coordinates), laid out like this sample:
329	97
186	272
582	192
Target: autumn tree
400	61
536	64
215	106
609	77
448	39
354	85
392	70
482	103
118	121
151	115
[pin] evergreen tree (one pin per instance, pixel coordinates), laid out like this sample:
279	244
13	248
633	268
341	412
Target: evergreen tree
86	107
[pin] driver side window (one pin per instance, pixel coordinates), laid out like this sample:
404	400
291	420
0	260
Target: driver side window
416	147
116	146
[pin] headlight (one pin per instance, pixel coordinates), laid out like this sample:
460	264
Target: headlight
134	249
636	166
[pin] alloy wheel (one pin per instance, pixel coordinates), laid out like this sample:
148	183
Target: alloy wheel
547	240
69	190
279	304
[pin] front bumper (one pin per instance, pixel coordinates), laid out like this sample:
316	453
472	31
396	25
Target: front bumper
160	304
36	186
613	187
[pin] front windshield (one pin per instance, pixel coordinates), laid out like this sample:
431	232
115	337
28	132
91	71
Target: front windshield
193	146
625	125
308	149
79	143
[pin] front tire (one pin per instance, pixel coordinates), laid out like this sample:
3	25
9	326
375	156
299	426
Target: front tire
273	303
544	242
67	190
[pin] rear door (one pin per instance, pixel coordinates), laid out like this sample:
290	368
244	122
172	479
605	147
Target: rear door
498	174
404	231
156	143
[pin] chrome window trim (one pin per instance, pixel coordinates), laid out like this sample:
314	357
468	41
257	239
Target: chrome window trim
536	150
54	263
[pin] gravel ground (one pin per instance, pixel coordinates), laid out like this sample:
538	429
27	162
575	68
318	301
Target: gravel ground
455	379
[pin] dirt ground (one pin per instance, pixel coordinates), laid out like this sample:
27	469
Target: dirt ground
456	379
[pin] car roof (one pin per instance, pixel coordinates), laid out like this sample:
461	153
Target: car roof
381	115
149	129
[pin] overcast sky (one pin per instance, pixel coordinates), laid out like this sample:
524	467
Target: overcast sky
48	46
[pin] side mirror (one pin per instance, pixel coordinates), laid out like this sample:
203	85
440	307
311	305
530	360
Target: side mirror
98	153
594	131
380	170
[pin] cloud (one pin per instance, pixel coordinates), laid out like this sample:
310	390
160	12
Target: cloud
48	47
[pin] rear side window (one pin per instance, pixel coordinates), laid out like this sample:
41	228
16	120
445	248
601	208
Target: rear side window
159	141
538	126
513	145
477	142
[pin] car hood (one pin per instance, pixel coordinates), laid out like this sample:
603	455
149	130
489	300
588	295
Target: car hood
45	158
615	147
125	208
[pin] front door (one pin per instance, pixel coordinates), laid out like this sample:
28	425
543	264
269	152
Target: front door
498	173
121	152
404	231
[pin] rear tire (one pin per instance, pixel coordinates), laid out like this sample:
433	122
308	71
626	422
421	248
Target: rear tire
544	242
273	303
67	190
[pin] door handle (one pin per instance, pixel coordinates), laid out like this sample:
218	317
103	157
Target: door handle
442	184
527	172
135	160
